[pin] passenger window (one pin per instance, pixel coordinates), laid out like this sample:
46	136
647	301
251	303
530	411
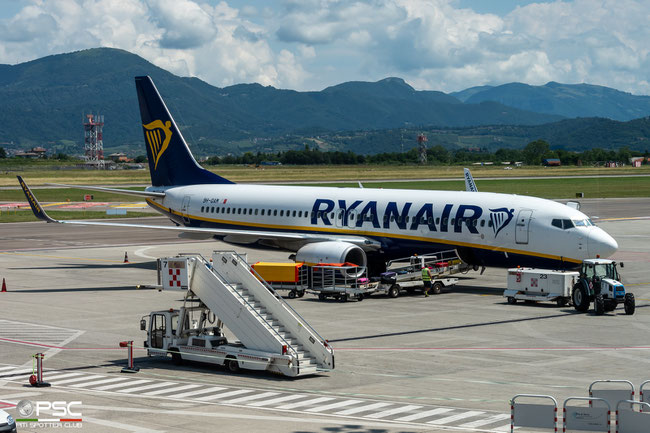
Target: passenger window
282	212
490	223
438	220
228	210
385	218
238	211
392	218
453	221
244	211
256	210
430	220
218	209
407	218
262	212
212	210
201	208
293	214
275	212
482	223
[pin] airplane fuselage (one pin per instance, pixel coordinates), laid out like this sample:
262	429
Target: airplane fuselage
487	229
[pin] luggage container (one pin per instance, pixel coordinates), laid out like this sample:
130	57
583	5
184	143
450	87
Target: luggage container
285	276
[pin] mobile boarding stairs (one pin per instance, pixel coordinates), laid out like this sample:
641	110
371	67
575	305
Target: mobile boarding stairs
272	335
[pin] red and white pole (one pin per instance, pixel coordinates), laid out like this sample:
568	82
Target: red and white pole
37	379
130	368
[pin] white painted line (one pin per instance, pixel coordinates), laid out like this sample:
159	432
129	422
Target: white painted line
174	389
504	428
150	386
120	426
305	403
17	372
199	392
72	380
277	400
9	397
456	417
336	405
120	385
486	421
11	367
365	408
59	375
424	414
224	394
250	397
98	382
394	411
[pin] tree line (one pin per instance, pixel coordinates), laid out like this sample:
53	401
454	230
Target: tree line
532	154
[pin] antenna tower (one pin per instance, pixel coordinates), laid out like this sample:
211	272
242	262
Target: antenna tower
93	140
422	148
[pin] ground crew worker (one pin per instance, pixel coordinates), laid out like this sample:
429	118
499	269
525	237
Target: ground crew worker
426	280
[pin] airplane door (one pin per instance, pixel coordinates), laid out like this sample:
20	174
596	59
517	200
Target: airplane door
352	219
521	230
185	209
339	218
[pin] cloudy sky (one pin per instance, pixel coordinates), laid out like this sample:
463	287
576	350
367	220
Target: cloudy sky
443	45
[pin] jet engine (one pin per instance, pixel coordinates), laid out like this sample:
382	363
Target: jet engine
332	252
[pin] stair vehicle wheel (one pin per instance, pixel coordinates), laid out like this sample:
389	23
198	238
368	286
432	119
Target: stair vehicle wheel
177	359
393	292
360	297
233	365
292	294
629	304
301	293
343	298
436	288
562	302
610	305
512	300
599	305
322	297
580	298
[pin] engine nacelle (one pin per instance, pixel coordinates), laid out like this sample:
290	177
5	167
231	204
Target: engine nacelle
331	252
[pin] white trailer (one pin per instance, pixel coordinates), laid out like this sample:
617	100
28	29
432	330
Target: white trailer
531	284
225	293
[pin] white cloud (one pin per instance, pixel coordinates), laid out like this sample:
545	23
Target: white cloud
311	44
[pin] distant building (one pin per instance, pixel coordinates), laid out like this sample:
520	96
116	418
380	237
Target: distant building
637	161
119	157
551	162
34	152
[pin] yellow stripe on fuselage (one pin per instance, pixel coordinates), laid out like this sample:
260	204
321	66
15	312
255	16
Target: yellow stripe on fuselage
363	233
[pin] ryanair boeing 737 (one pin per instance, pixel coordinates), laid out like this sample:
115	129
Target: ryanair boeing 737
359	225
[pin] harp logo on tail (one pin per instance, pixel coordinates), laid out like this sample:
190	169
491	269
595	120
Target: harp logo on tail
158	137
500	218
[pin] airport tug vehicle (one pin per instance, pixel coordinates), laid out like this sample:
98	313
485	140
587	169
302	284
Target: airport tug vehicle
225	293
600	283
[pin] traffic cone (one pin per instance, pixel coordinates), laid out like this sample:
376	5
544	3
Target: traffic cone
4	285
126	257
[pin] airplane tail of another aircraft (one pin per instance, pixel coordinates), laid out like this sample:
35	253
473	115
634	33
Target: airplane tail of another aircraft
170	161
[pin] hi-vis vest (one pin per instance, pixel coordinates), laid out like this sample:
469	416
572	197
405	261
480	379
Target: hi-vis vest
426	276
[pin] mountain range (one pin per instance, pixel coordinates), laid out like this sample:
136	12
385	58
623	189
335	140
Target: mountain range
44	101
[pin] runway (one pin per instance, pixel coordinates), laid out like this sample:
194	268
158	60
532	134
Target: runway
449	362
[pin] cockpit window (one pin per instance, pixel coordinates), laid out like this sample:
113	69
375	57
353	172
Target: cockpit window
583	223
562	224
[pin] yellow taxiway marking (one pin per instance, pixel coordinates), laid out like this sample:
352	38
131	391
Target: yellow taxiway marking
61	257
130	205
55	204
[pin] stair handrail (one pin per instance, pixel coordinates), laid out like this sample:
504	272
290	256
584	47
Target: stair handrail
281	299
210	268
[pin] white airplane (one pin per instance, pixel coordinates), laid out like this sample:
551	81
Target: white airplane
363	226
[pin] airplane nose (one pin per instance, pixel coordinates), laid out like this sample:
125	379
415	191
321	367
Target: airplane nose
601	243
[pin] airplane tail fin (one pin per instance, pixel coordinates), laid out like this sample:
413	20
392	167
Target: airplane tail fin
38	210
470	185
170	161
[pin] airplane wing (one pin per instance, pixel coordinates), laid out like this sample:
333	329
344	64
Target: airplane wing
469	181
233	235
111	190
